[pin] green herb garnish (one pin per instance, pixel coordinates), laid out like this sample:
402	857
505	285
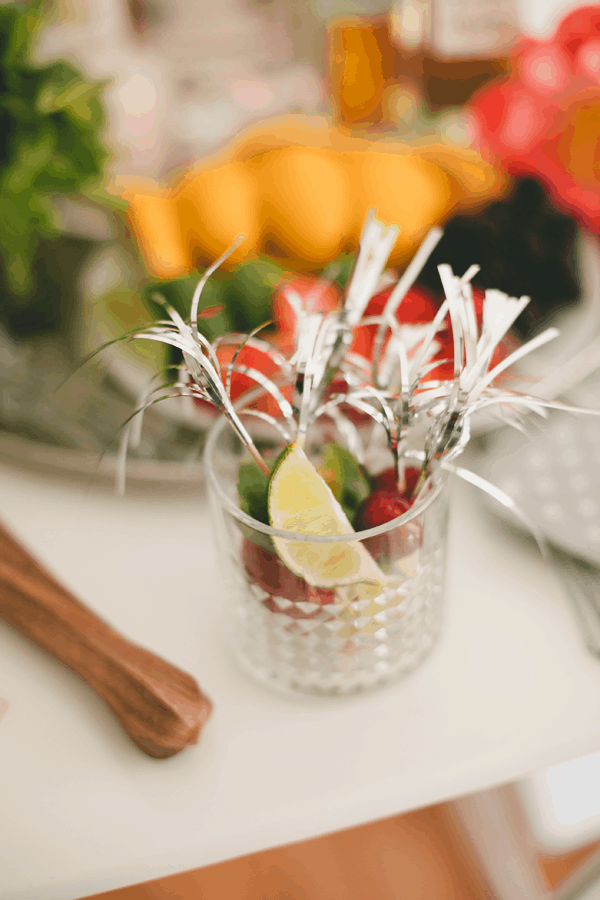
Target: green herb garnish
345	476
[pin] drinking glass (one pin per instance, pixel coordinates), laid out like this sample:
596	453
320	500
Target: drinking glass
338	640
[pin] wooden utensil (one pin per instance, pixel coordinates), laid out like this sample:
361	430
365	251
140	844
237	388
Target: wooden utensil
159	706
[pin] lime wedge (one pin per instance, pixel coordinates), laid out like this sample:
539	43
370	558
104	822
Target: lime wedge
301	502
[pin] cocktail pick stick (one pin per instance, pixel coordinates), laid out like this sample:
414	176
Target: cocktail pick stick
375	247
200	286
408	278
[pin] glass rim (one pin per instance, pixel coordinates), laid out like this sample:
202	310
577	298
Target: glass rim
247	520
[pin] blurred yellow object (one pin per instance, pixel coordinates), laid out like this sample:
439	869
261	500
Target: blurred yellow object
407	190
287	131
157	227
578	147
299	190
214	207
476	181
306	204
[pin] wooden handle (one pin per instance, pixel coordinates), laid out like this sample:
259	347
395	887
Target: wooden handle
158	705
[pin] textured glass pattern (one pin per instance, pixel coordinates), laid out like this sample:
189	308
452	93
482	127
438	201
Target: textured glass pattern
342	640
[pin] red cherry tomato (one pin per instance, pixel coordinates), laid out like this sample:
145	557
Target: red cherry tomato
252	358
418	307
318	295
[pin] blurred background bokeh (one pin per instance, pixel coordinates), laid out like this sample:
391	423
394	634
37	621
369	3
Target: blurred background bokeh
140	137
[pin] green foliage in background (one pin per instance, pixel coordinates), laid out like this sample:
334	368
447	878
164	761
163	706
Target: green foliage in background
242	299
245	294
50	119
179	294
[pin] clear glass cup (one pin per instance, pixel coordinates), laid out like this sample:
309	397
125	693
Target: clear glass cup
294	636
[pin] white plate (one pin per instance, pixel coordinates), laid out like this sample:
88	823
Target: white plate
554	479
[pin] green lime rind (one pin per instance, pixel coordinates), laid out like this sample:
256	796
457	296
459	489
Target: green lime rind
274	470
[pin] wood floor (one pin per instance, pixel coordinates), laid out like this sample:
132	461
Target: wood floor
411	857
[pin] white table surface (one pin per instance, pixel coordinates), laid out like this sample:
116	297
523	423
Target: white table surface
508	689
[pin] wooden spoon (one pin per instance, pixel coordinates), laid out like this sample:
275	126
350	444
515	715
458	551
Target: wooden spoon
159	706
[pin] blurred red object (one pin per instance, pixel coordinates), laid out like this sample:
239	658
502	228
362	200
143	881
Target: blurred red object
315	295
254	358
544	119
418	307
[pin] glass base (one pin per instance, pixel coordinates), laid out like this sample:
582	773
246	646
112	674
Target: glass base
341	647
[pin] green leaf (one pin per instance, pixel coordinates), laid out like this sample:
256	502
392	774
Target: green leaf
31	157
248	294
50	121
345	476
18	271
63	88
340	269
252	491
244	293
253	495
97	192
179	294
18	107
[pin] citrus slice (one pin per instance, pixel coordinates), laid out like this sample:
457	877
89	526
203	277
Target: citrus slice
301	502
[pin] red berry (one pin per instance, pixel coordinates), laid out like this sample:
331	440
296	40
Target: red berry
252	358
266	570
417	307
382	506
319	295
387	480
